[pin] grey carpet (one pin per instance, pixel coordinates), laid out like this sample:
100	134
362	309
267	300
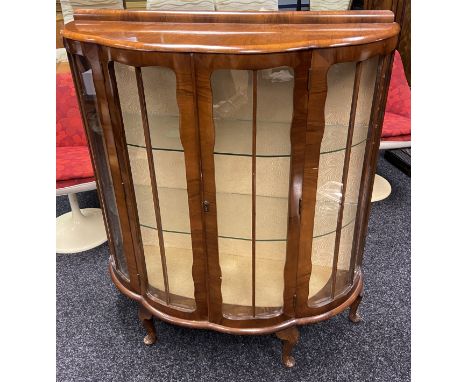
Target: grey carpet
99	337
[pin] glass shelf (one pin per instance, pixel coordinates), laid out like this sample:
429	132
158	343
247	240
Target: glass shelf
269	228
236	260
273	138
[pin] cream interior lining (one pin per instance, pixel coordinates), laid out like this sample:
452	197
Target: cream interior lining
233	130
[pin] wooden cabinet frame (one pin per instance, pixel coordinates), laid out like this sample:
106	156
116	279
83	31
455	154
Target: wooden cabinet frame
193	64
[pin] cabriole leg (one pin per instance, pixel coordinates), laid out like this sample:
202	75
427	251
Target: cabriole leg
289	337
147	320
353	314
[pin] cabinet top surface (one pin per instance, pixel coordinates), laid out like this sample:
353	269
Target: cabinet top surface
229	32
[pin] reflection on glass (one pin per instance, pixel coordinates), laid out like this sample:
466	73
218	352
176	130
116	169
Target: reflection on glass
167	247
241	165
96	141
329	189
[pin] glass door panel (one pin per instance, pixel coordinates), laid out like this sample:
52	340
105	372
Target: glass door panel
356	161
252	113
151	123
335	213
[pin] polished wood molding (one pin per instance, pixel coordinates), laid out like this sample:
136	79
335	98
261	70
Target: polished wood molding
203	37
300	17
285	322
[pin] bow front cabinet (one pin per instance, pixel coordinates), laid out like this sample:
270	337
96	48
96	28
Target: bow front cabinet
234	155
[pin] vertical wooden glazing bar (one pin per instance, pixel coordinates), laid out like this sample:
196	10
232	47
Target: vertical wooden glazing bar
254	188
297	138
154	184
200	271
365	165
344	178
321	61
203	71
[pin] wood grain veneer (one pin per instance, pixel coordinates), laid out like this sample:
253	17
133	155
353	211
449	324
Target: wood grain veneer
319	49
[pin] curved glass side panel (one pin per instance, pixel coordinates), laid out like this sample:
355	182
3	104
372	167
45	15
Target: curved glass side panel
158	171
97	144
335	213
356	162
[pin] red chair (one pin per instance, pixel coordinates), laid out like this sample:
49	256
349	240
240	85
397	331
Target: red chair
396	131
78	230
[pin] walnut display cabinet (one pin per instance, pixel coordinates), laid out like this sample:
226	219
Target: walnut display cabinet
235	155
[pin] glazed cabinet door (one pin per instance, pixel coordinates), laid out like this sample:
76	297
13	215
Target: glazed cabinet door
342	141
350	89
158	104
251	131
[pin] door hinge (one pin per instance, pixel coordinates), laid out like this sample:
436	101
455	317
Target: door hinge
294	302
206	206
300	206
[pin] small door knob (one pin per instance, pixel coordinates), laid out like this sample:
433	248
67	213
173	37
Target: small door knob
206	206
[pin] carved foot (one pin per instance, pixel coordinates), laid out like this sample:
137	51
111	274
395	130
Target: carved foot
147	320
289	337
353	314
